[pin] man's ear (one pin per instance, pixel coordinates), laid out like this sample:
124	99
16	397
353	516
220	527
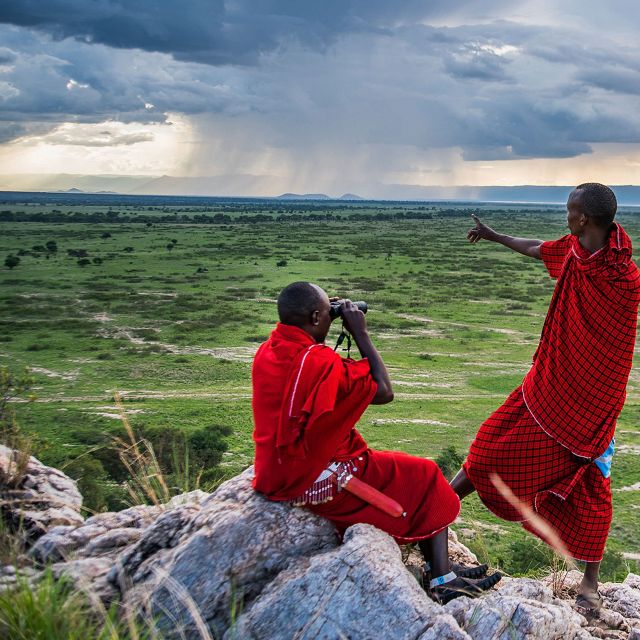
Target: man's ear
315	318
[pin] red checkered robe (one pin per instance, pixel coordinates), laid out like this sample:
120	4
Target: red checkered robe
306	402
543	439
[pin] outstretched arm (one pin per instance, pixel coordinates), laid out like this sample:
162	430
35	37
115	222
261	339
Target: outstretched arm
525	246
356	324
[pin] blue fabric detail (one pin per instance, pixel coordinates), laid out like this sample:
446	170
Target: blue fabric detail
604	461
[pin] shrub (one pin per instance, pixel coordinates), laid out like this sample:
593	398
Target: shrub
449	461
77	253
37	347
281	263
187	458
83	262
11	261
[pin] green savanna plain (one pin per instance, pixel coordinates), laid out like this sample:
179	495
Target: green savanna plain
174	329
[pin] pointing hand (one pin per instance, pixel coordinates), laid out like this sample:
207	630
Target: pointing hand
480	231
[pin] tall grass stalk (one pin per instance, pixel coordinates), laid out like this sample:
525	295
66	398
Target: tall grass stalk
53	610
147	482
13	387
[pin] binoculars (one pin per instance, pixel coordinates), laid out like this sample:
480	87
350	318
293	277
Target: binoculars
336	308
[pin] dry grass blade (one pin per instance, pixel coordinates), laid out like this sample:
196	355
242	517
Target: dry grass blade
542	527
137	455
179	595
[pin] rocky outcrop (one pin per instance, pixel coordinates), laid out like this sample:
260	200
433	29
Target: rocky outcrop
41	499
232	565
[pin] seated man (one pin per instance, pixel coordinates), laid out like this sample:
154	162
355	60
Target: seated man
306	401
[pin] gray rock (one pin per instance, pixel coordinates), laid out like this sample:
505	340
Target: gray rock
211	555
96	535
527	610
623	598
113	539
88	575
358	590
42	499
233	565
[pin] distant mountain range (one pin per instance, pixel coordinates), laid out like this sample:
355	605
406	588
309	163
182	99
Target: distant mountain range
316	196
262	186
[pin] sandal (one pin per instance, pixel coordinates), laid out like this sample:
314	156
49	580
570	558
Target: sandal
470	588
461	570
588	604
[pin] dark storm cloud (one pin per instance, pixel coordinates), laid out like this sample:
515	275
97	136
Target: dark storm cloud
471	61
301	75
614	79
55	82
11	130
219	31
6	56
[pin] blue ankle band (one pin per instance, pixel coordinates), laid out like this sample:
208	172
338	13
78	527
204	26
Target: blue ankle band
440	580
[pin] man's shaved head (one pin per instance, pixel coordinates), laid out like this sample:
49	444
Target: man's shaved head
298	301
598	202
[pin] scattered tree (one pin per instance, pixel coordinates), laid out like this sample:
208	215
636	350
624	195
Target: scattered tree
83	262
11	261
281	263
77	253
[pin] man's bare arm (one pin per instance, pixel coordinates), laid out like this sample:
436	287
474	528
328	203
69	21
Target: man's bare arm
525	246
356	324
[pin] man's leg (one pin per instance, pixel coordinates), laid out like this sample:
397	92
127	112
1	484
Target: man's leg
588	597
462	485
436	551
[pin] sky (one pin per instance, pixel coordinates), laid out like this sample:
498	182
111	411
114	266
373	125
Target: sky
261	97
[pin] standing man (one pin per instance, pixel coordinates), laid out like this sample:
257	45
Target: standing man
306	402
552	440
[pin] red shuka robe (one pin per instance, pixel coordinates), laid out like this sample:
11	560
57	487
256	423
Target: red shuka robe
306	401
299	432
569	400
575	389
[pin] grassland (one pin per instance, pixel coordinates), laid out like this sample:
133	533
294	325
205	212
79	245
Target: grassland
171	313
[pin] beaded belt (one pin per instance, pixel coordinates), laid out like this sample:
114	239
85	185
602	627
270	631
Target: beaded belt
328	484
